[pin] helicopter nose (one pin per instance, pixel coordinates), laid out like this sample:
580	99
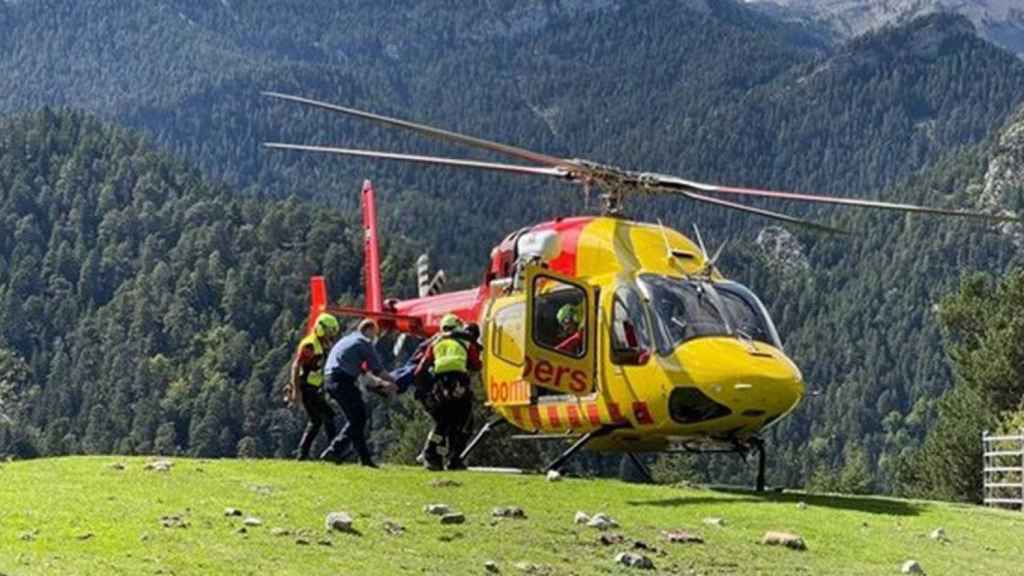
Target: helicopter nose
726	376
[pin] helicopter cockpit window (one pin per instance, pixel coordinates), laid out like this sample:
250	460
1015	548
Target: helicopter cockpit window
631	342
509	331
559	316
748	314
684	310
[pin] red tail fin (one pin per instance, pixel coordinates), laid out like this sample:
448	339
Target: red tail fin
317	300
371	248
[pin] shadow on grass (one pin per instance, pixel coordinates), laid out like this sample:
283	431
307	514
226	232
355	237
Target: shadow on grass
865	504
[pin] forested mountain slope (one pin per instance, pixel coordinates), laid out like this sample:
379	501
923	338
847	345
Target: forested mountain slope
153	310
701	88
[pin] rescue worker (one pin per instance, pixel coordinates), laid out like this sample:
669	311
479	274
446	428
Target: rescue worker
570	329
345	363
306	384
444	388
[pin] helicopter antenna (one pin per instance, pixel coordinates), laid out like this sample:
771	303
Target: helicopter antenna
700	242
615	183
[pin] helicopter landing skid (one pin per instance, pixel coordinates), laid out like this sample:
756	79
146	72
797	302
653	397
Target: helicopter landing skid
580	443
494	421
756	444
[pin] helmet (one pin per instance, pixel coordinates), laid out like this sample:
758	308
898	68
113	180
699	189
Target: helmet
567	313
450	322
473	330
326	326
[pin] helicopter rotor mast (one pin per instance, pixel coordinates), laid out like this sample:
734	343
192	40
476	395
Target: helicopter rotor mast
616	183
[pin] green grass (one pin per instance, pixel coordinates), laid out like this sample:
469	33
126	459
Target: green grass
60	501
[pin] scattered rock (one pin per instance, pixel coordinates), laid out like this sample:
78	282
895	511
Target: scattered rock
508	512
339	521
683	537
719	522
939	534
117	466
242	530
492	567
280	532
173	521
232	512
527	567
84	536
160	466
445	483
641	545
634	560
393	528
302	541
262	489
29	536
912	567
801	505
252	522
611	539
144	537
437	509
581	518
791	541
602	522
554	476
321	542
453	518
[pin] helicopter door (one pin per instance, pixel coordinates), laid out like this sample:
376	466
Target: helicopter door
561	314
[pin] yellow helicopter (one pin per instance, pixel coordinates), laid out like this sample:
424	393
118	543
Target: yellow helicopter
616	335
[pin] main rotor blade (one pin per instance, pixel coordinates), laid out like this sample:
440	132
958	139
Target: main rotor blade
433	160
673	183
763	212
513	151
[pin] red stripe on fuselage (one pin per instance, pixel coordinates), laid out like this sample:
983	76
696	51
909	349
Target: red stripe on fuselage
553	416
574	416
568	230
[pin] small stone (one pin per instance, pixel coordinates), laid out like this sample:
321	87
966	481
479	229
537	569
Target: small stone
492	567
801	505
117	466
144	537
683	537
634	560
791	541
719	522
912	567
938	534
437	509
29	536
527	567
508	512
322	542
602	522
445	483
160	466
242	530
453	518
393	528
581	518
252	522
611	539
302	541
84	536
279	532
339	521
173	521
554	476
232	512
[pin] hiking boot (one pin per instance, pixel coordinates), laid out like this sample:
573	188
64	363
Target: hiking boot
455	465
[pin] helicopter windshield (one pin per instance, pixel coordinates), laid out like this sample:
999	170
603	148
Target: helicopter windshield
687	309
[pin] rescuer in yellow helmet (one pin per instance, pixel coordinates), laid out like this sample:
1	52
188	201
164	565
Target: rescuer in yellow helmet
306	384
444	388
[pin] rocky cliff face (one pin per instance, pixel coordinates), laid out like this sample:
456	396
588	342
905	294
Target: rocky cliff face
1003	187
1001	21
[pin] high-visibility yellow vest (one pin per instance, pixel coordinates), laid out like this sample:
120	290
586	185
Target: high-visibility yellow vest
450	355
315	374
